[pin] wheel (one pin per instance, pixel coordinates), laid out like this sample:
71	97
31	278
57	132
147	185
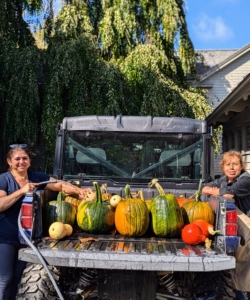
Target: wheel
36	285
213	286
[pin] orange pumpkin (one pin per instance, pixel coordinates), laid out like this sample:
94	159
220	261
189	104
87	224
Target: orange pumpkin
183	200
195	210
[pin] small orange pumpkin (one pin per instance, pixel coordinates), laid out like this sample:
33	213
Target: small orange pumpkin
183	200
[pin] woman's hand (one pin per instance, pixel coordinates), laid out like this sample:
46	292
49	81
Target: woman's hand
29	187
83	192
211	190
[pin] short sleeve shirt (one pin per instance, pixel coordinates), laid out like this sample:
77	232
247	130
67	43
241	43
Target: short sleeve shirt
239	188
8	218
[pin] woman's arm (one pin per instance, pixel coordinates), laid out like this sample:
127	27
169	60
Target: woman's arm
6	201
215	191
69	188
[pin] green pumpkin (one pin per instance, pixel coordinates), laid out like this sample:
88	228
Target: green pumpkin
167	220
96	217
58	211
131	216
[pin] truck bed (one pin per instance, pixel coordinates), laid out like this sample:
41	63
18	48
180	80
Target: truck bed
115	251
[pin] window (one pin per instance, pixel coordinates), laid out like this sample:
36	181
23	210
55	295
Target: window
239	139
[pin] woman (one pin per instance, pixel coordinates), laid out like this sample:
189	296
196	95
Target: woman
235	183
13	186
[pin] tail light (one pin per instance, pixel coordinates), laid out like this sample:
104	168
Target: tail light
231	228
27	211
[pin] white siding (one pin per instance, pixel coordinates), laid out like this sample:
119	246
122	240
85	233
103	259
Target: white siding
223	82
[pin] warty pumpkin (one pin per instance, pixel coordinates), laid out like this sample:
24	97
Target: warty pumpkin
131	215
167	219
97	216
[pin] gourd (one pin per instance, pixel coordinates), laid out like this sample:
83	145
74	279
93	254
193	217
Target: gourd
193	235
131	216
114	200
206	228
58	210
57	230
167	219
69	229
71	199
97	216
197	209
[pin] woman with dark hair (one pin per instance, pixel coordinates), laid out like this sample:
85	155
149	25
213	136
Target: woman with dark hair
235	183
14	184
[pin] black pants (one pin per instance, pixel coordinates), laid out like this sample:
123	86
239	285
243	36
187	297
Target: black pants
11	270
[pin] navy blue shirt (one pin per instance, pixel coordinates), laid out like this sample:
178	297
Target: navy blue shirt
8	218
239	188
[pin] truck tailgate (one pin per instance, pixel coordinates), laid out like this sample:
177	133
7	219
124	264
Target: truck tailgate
119	252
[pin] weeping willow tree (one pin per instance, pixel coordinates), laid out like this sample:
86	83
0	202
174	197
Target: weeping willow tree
104	57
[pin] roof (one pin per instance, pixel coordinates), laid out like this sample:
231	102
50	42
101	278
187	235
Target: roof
218	59
235	103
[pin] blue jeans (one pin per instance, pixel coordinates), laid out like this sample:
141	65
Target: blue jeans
11	270
240	295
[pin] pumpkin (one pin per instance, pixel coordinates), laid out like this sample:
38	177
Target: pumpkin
182	200
206	228
69	229
57	230
167	219
197	209
193	235
131	215
97	216
58	210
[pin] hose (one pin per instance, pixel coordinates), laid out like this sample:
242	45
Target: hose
39	255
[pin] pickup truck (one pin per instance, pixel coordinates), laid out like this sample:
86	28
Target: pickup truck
120	150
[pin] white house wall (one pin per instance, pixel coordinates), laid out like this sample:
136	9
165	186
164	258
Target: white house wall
223	82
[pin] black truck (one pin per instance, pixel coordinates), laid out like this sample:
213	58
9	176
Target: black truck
120	150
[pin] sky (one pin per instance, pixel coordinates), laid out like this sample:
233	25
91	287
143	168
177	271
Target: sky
218	24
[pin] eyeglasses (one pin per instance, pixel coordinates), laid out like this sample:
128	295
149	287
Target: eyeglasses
18	145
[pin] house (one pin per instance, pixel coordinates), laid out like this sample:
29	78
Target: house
220	73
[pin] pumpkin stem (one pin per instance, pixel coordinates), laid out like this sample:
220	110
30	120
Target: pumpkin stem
154	182
198	193
127	192
98	192
140	193
212	231
60	197
208	243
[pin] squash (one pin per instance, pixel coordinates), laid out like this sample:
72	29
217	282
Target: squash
58	210
57	230
148	201
167	219
69	229
206	228
131	216
114	200
193	235
197	209
97	216
71	199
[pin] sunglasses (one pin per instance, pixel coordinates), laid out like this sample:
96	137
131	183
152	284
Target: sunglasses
18	146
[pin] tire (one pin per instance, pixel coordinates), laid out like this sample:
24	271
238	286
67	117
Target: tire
213	286
36	285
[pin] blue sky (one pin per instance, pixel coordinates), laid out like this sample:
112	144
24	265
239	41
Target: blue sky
218	24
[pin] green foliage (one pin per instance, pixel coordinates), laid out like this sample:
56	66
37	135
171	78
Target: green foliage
103	57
